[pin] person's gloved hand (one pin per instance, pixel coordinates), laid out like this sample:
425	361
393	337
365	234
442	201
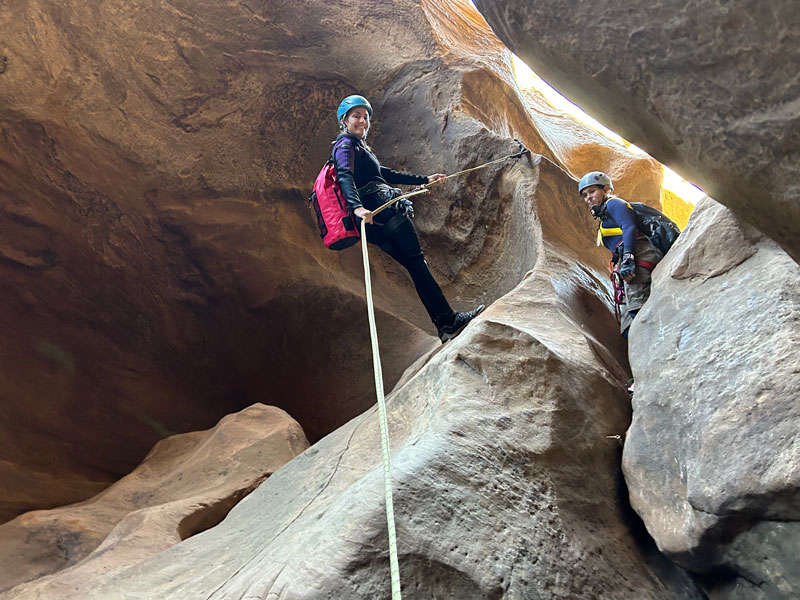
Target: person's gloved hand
627	267
404	207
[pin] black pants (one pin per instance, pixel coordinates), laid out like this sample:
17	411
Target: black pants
398	238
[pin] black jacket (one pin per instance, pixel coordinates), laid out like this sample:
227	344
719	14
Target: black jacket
356	167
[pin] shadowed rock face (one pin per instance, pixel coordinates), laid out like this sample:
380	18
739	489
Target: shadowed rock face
159	268
711	457
709	88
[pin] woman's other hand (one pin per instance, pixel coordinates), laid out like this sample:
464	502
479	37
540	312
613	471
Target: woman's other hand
363	213
436	177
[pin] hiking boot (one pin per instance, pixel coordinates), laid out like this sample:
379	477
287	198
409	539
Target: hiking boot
460	320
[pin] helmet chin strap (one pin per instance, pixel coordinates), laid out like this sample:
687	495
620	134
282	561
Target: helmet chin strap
598	209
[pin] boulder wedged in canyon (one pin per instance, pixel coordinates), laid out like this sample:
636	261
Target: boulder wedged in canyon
160	268
505	482
711	458
185	485
709	88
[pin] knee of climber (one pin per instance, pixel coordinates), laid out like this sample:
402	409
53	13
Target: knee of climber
414	261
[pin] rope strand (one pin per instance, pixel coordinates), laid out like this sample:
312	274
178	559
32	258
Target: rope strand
394	567
426	187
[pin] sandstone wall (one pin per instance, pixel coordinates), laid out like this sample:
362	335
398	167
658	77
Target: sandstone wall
161	270
160	266
708	88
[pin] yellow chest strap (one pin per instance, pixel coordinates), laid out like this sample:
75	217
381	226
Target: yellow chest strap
603	232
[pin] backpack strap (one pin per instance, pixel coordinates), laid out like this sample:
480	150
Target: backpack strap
645	264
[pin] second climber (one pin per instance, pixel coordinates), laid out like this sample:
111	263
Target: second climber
633	254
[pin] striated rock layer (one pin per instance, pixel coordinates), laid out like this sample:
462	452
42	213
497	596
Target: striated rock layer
185	485
712	459
709	88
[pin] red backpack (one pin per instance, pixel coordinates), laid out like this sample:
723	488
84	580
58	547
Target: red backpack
337	225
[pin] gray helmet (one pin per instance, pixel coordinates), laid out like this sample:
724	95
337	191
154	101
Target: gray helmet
595	178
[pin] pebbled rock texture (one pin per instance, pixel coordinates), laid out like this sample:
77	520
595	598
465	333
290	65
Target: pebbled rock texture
708	87
712	458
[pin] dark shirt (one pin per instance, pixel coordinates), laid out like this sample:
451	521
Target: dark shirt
356	166
618	224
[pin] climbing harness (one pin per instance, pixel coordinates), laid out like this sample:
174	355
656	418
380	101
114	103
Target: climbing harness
618	285
394	567
383	207
425	188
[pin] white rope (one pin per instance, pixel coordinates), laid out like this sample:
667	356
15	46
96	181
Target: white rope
394	567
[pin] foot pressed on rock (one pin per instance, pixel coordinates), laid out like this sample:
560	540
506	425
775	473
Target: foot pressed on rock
448	332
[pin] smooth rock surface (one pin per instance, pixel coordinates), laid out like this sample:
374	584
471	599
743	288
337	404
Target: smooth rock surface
185	485
578	148
505	483
712	458
710	88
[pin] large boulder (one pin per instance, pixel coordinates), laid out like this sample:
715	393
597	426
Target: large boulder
708	87
185	485
711	457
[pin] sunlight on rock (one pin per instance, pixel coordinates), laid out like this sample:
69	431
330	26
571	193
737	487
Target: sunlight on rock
677	191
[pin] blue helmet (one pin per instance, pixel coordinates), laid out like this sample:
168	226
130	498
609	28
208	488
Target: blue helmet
352	102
